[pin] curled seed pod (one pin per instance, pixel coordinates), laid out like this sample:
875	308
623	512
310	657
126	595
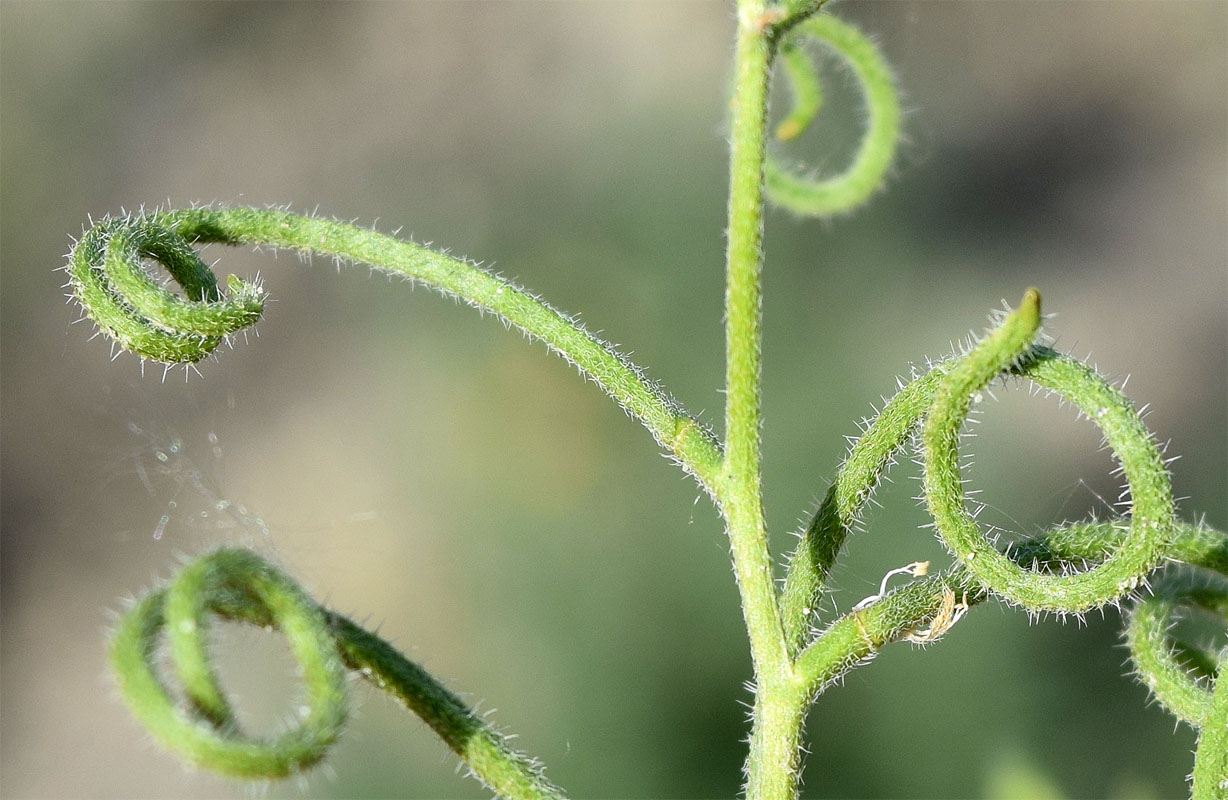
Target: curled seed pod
875	152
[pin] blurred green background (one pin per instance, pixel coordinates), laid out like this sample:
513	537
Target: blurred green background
497	517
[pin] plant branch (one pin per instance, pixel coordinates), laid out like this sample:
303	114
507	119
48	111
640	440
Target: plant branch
840	511
859	634
788	13
939	400
107	278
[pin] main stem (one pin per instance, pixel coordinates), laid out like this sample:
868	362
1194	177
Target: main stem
772	764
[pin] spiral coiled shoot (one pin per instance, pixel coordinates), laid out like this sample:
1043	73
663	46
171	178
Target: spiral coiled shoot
1048	574
108	278
876	150
238	585
1188	679
936	404
1009	348
234	584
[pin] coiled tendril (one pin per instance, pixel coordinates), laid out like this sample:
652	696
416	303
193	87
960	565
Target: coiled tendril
1039	574
937	404
107	276
1151	518
1046	574
238	585
1187	679
875	152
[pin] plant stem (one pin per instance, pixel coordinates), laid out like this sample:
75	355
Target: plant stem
741	498
773	766
772	763
744	257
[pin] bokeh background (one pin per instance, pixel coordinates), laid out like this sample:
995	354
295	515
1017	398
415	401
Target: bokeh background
496	516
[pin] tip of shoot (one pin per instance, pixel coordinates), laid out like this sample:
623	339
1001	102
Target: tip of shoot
1030	304
788	129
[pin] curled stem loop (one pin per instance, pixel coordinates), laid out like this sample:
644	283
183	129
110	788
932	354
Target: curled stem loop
876	150
1038	574
1187	679
936	403
1151	517
109	280
238	585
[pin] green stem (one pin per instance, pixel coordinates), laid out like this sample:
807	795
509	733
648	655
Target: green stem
840	511
1189	679
858	635
741	495
1211	759
481	747
790	12
744	258
772	764
775	759
107	277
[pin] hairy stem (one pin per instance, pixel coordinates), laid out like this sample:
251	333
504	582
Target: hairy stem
772	763
859	475
859	634
744	260
480	746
